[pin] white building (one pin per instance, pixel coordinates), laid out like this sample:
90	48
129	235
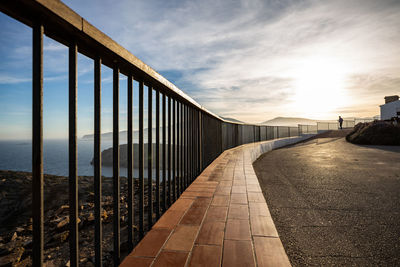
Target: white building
391	108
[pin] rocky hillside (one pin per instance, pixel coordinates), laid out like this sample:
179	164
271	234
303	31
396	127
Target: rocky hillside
16	221
375	133
107	155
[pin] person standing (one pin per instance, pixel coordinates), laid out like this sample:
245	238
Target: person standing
340	122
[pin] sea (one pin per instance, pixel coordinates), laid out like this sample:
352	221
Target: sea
17	156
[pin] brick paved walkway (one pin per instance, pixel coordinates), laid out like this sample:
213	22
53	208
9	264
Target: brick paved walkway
221	219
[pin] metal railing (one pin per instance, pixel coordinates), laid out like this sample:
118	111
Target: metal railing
191	136
328	125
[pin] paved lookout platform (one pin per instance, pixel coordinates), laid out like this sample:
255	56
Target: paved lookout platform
221	219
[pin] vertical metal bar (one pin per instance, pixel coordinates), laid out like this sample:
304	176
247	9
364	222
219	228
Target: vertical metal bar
37	144
191	144
197	142
187	146
130	164
157	154
141	163
149	156
192	141
178	149
164	164
98	233
169	151
173	151
194	144
182	149
201	139
116	185
72	147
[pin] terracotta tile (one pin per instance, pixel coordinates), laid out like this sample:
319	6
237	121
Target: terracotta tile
239	198
197	194
225	183
238	189
270	252
202	202
194	215
200	189
249	172
238	253
187	196
227	177
130	261
254	188
209	256
205	183
215	213
220	201
239	175
223	190
251	181
256	197
152	242
238	212
263	226
259	209
211	233
181	204
251	176
215	178
182	238
171	259
169	219
237	230
239	182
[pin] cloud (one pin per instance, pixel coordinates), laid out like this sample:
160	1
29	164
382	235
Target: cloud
245	58
8	79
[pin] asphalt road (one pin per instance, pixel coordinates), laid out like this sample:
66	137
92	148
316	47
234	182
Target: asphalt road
334	203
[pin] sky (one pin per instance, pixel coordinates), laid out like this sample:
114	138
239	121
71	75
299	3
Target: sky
249	60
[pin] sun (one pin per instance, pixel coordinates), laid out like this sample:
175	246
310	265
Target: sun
320	87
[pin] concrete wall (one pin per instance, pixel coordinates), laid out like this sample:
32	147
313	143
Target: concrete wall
260	148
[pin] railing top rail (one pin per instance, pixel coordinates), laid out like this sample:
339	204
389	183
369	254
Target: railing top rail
65	26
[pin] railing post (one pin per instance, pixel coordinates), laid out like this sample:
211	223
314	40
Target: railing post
98	236
187	145
37	144
178	149
116	184
150	157
191	143
157	154
200	141
73	174
173	151
141	163
164	161
130	164
169	151
182	149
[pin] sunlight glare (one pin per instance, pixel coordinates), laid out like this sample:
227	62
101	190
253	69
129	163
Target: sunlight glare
320	87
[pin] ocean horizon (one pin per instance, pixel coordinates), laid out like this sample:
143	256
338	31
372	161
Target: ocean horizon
16	155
